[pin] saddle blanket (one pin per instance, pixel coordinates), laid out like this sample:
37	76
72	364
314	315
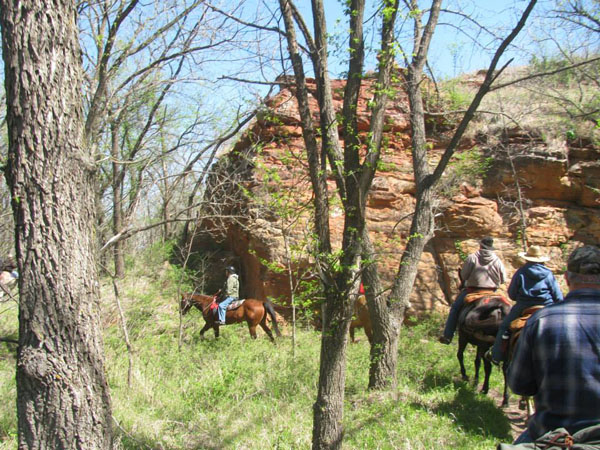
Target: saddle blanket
474	296
236	304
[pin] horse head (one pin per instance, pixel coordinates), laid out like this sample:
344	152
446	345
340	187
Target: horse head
186	303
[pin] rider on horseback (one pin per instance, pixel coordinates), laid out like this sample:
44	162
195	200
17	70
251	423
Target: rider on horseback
533	284
231	292
482	270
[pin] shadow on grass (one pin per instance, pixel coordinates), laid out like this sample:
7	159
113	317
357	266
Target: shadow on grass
435	380
132	442
197	441
476	413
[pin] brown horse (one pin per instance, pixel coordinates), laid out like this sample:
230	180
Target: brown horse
478	324
253	312
361	319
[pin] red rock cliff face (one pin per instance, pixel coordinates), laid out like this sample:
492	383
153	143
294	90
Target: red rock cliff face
560	187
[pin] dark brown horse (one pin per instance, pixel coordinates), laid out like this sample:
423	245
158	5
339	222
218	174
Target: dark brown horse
253	312
478	324
516	327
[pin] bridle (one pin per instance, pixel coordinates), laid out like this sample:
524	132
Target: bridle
187	302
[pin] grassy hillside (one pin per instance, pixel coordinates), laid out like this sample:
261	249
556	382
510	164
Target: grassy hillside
242	394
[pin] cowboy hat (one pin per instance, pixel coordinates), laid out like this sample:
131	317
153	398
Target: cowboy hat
534	254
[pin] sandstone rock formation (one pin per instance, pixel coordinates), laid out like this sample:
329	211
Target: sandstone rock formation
559	181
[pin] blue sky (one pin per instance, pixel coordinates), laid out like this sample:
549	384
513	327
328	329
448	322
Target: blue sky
458	45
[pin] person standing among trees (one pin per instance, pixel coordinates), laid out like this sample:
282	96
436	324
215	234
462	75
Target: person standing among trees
533	284
557	357
482	269
231	292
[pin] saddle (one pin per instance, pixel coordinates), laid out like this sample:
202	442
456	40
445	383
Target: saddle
233	305
517	325
519	322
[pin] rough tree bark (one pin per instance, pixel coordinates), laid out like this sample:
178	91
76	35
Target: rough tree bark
62	394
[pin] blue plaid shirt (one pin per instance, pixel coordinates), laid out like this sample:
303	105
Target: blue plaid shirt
557	361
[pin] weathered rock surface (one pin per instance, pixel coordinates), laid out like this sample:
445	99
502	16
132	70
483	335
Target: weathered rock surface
560	187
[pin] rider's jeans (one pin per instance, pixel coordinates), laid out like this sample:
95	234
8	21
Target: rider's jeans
452	320
223	308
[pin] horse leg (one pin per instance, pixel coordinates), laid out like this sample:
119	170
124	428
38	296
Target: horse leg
369	333
271	312
505	394
252	329
264	326
205	328
462	344
478	358
252	325
487	367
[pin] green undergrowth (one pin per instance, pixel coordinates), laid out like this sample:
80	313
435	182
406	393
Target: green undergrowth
236	393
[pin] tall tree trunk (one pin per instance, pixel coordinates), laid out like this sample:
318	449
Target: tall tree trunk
353	184
329	407
166	194
422	226
384	350
117	198
62	393
382	370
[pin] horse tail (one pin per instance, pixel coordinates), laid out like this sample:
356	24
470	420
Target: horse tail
271	311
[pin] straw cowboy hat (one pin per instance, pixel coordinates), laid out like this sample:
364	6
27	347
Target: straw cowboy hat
534	254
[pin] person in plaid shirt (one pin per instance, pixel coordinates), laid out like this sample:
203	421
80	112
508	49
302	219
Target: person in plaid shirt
557	359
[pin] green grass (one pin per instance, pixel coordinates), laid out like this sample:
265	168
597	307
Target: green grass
242	394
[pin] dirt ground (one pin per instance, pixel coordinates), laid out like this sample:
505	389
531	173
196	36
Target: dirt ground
516	416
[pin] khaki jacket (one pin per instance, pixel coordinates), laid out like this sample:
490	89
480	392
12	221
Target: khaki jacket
232	286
